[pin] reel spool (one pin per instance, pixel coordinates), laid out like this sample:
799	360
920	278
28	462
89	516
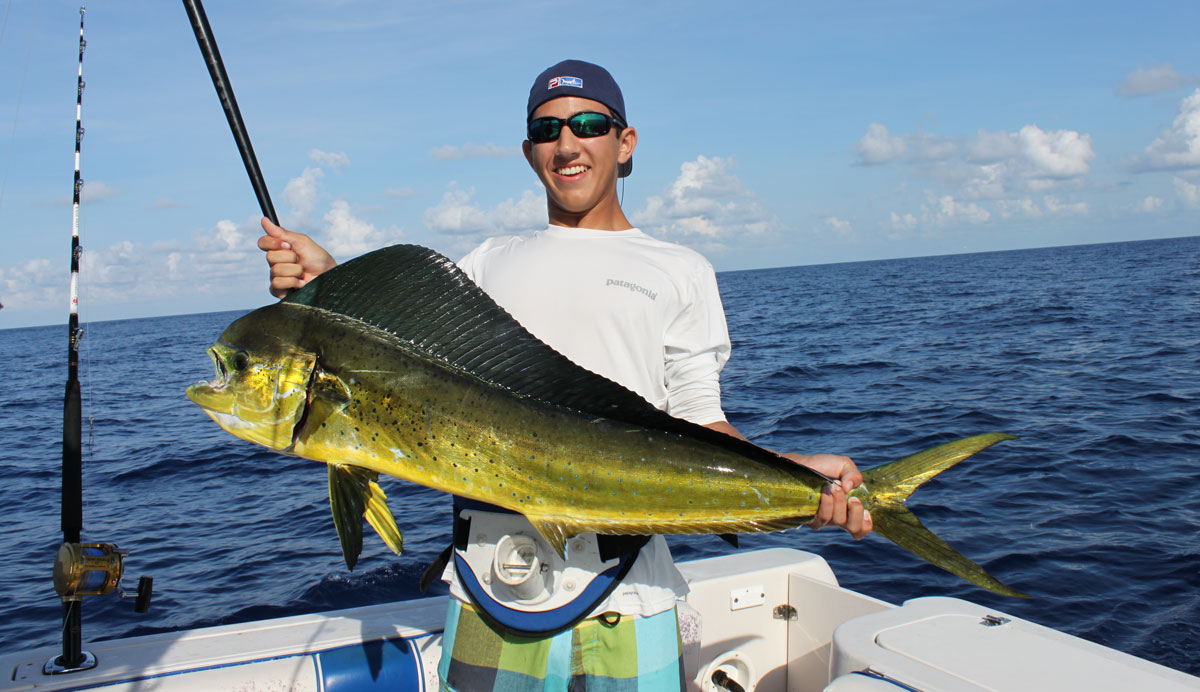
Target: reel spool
95	569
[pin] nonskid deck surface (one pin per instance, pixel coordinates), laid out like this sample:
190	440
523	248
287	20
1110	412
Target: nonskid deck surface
782	625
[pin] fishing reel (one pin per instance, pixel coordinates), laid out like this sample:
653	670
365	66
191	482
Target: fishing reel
95	569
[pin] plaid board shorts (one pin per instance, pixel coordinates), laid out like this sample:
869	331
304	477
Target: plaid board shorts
634	654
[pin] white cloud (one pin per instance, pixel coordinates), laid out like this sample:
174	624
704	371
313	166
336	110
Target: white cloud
926	147
1152	80
1151	204
838	224
1001	165
1055	206
991	147
221	259
1012	208
1189	193
1179	147
164	203
340	231
990	181
226	250
840	227
1057	154
943	210
458	215
706	204
992	165
878	146
336	161
451	152
301	193
216	259
907	222
33	283
346	235
399	193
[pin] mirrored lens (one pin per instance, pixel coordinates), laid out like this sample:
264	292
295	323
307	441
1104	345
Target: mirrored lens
589	124
544	130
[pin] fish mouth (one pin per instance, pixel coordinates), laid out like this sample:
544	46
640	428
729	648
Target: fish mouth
205	393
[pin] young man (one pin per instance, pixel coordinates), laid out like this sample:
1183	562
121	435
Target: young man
639	311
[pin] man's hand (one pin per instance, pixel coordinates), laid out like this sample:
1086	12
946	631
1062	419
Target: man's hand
836	509
294	258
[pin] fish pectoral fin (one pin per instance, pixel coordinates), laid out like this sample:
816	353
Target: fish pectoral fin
329	395
554	533
330	388
896	523
353	495
346	502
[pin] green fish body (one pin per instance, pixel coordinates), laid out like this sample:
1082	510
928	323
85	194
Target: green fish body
397	363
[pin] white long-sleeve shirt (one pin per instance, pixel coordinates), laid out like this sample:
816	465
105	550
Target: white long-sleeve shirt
642	312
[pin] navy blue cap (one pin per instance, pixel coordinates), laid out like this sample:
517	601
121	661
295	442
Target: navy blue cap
582	79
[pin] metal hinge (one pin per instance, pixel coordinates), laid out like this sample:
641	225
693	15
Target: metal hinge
784	612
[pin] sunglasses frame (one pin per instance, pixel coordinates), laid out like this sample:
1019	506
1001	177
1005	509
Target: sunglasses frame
609	121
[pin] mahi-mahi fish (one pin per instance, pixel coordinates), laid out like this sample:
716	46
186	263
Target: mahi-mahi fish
397	363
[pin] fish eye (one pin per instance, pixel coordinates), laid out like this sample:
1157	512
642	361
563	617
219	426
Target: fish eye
240	360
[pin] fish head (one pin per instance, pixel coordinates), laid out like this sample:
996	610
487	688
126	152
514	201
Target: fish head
262	386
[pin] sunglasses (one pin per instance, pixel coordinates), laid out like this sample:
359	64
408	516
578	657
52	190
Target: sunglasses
585	125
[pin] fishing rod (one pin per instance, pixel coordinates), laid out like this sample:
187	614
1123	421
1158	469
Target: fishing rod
80	569
72	457
220	80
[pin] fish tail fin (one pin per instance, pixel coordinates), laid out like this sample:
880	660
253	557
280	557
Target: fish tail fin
353	496
889	485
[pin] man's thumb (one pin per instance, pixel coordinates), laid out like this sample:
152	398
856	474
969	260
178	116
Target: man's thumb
278	232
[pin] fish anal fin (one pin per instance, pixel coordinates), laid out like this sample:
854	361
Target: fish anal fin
380	518
554	533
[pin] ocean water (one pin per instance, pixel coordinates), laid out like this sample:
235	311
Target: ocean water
1090	354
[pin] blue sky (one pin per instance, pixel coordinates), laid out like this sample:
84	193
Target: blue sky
771	134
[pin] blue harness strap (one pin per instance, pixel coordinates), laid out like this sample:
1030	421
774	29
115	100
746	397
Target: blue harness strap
549	622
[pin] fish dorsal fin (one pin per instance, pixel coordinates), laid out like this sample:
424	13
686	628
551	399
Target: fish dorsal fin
430	305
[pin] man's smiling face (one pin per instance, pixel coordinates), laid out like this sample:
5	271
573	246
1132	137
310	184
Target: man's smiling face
580	173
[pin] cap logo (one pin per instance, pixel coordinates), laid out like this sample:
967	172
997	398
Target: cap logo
555	82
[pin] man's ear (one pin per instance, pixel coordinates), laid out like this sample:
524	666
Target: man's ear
627	145
527	149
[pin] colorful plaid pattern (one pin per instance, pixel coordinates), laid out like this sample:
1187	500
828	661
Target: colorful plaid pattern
633	654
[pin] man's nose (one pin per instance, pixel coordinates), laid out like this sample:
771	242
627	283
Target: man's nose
567	144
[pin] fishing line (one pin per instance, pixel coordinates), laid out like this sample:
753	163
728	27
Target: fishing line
3	24
20	91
